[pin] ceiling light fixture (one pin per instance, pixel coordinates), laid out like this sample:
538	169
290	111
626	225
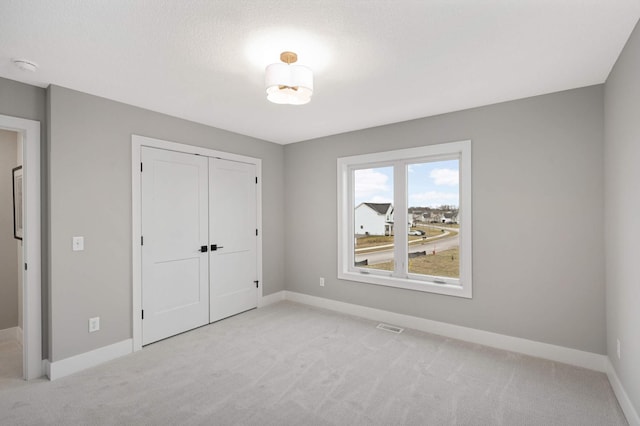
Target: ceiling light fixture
287	83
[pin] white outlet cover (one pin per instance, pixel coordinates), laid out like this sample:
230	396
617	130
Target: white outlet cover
78	243
94	324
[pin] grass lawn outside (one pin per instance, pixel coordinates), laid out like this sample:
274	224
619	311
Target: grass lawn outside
379	240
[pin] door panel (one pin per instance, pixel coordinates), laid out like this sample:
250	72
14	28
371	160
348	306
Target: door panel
232	227
175	290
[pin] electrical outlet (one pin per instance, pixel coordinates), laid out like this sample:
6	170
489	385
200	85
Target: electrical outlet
321	281
78	243
94	324
618	348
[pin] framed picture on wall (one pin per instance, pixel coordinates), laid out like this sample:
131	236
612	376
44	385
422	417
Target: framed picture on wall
17	203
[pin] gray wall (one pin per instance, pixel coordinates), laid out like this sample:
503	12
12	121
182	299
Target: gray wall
25	101
538	270
8	253
90	189
622	204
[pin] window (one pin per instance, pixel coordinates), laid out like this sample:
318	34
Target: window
405	218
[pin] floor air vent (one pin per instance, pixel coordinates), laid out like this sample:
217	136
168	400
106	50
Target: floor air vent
391	328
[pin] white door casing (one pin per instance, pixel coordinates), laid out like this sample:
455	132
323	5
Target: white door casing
233	238
175	289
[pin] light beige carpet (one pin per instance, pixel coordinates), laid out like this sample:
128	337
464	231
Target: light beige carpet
10	364
289	364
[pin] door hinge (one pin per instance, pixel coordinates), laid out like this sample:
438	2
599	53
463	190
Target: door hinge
140	167
143	314
25	266
141	240
256	232
256	283
256	179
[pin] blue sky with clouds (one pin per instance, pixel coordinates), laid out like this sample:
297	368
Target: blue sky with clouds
430	184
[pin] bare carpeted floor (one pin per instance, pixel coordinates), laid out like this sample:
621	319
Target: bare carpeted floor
289	364
10	364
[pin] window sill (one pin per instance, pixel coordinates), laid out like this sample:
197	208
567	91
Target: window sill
407	284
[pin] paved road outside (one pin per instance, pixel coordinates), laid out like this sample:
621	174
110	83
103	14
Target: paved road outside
387	255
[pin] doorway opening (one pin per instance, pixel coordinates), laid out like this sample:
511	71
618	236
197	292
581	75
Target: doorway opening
10	257
25	227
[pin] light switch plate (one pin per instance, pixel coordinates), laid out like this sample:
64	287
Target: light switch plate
78	243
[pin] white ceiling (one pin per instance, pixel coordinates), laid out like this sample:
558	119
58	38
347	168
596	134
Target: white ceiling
375	62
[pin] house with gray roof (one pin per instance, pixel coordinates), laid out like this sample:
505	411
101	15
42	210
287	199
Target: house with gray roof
374	219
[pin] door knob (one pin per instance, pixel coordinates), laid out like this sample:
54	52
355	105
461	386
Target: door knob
203	249
215	247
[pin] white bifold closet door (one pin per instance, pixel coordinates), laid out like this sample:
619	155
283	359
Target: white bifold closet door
199	251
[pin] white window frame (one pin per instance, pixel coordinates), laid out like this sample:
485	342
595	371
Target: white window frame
399	278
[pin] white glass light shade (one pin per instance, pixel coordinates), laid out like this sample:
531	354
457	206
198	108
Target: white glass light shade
288	84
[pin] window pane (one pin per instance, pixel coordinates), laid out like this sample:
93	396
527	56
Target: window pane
373	218
434	225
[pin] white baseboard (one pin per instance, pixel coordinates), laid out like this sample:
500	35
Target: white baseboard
625	403
575	357
9	334
76	363
19	335
270	299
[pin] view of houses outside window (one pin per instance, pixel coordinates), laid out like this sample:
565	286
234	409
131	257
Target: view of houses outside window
434	196
374	218
433	223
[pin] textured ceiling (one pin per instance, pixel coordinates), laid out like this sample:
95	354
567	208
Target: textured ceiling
375	62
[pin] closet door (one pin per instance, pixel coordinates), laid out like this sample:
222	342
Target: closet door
232	235
175	281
